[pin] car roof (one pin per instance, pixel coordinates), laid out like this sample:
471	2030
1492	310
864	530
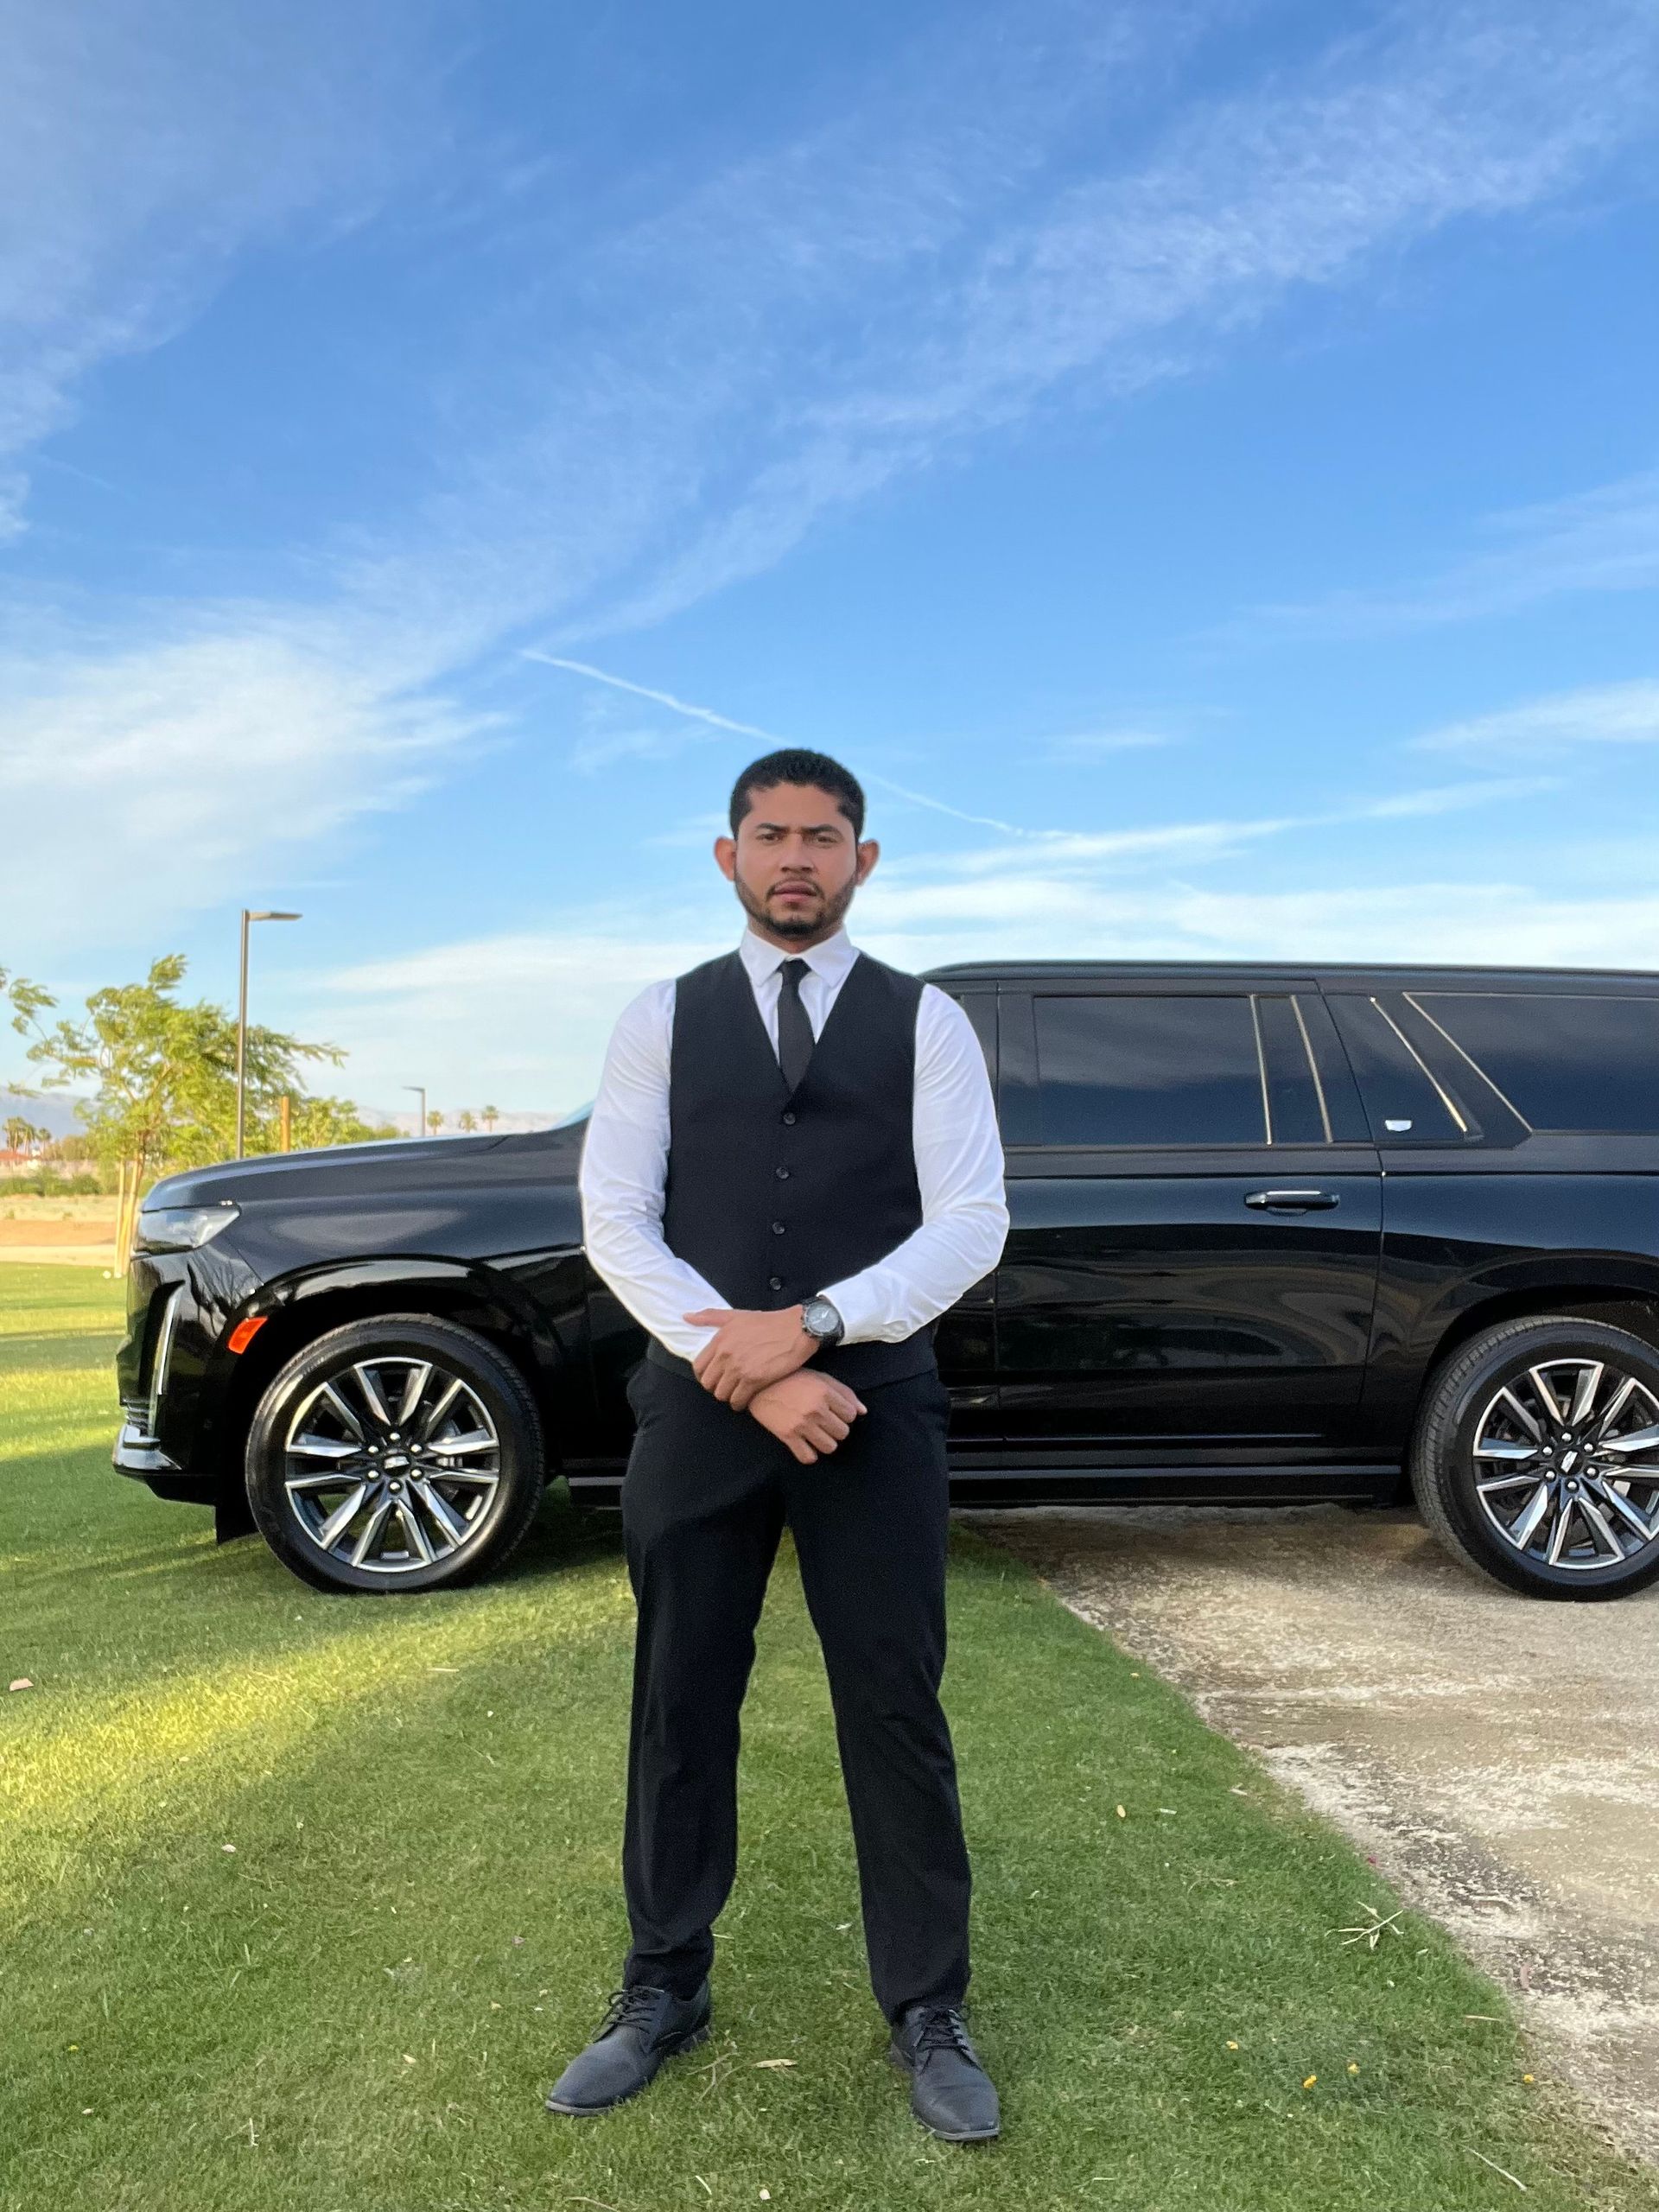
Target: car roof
1336	975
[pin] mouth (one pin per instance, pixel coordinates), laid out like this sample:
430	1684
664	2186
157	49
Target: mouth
794	891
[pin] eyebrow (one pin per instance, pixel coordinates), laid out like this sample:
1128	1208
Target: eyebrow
833	823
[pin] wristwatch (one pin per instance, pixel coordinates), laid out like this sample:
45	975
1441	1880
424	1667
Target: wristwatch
820	1319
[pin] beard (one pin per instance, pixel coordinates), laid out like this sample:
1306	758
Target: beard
830	908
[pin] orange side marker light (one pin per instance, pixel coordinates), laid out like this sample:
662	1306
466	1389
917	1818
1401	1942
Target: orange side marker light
245	1331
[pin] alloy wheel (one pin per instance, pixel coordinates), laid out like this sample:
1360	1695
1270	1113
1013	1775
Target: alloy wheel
391	1464
1567	1463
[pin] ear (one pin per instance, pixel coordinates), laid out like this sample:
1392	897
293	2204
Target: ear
726	857
869	853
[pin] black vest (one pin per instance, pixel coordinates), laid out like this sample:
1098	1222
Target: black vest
774	1194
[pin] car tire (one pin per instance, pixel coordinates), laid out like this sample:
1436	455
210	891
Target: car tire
1535	1502
442	1482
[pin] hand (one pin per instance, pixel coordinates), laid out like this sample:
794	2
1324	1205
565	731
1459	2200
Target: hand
749	1351
811	1413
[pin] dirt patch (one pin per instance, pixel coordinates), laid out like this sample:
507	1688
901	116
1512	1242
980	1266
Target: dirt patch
1497	1756
44	1230
77	1227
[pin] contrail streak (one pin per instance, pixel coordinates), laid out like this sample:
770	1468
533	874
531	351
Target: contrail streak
770	737
661	698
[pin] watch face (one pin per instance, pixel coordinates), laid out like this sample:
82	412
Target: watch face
821	1317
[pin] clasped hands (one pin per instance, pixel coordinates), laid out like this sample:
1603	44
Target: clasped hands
752	1363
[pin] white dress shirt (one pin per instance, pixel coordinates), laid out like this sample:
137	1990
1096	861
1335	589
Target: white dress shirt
953	1126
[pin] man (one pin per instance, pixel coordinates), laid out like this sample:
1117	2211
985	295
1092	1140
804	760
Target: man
792	1169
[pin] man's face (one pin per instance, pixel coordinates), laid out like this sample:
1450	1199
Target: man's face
795	862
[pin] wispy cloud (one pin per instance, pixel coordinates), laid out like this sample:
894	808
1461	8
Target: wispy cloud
1612	714
1105	285
1048	848
769	738
1604	540
525	1017
172	766
1124	893
670	404
1502	922
985	874
1097	744
944	806
141	151
521	1017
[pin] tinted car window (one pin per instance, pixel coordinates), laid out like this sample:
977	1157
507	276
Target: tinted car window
1563	1062
1149	1071
1296	1109
1403	1102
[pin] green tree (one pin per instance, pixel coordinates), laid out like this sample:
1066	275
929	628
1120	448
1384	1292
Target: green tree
28	1001
320	1122
468	1121
163	1073
435	1120
492	1115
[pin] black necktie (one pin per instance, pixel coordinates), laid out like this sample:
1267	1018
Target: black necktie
794	1030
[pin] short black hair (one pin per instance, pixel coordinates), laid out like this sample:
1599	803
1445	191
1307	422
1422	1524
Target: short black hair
793	764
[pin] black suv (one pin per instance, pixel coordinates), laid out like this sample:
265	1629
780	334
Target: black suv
1278	1234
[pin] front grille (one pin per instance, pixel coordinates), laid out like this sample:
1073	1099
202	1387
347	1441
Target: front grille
135	1414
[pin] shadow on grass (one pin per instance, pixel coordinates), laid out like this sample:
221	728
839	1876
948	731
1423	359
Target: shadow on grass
361	2003
78	1482
310	1898
90	1348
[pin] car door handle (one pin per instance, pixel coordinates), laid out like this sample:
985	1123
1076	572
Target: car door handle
1294	1201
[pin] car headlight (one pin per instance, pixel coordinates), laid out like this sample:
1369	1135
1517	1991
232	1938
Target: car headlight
180	1228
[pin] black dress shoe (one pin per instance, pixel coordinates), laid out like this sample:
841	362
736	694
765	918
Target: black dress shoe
641	2028
950	2092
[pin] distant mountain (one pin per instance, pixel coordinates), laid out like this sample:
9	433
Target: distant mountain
53	1110
56	1111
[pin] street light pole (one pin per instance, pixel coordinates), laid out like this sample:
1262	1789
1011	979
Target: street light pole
420	1127
249	914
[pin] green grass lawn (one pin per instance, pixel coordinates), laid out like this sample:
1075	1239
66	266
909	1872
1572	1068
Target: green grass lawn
304	1901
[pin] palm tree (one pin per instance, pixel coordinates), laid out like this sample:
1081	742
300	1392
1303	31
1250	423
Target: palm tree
468	1121
435	1120
492	1115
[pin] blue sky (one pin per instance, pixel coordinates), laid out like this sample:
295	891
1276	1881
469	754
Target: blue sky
1197	463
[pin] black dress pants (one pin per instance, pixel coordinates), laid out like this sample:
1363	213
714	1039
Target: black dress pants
707	1492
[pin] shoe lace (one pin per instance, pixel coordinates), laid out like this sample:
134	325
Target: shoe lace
627	2007
943	2029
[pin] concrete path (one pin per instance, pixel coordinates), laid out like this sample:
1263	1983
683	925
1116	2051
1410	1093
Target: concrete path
1499	1756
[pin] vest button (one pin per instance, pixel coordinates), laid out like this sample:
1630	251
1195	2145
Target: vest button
790	1118
777	1228
782	1174
775	1282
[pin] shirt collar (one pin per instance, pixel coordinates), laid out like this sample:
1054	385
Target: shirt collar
832	959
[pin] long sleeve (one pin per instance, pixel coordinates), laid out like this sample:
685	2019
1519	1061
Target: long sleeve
959	1169
623	1165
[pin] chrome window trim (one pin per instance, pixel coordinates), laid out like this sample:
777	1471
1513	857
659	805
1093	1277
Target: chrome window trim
1439	1089
1313	1068
1262	1068
1411	999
